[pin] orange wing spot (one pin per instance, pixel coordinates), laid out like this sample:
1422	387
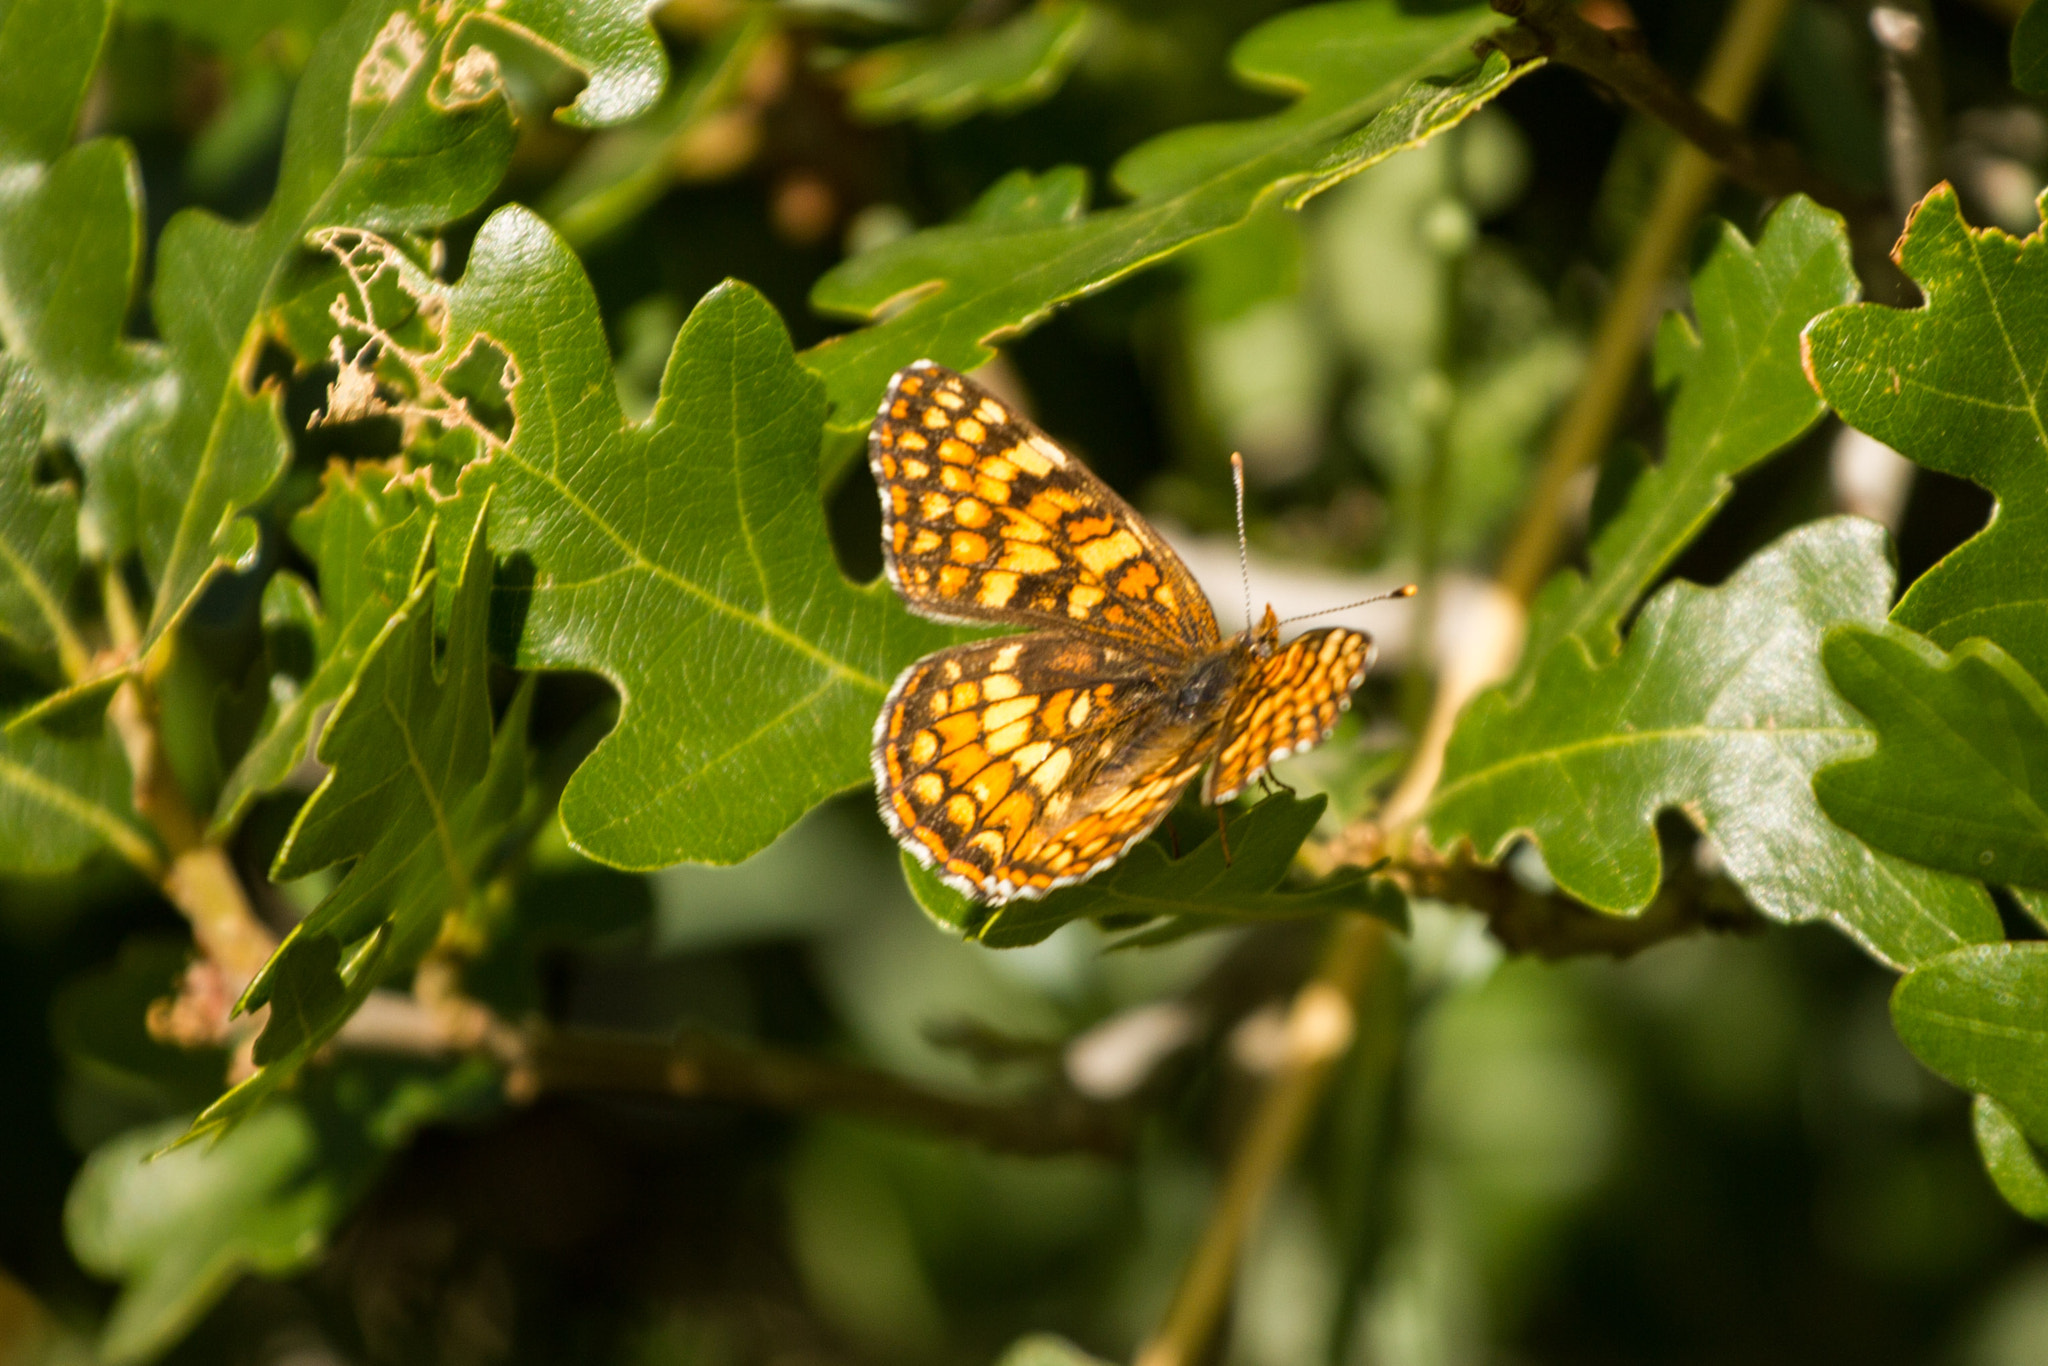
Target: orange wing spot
888	463
928	788
1053	715
971	430
1140	579
911	383
969	548
1028	559
935	419
899	410
927	541
1104	691
963	764
959	729
960	810
965	695
899	536
963	868
1116	616
1088	528
971	513
1009	737
1110	551
990	785
994	490
933	506
930	839
1014	814
997	588
954	479
1082	599
924	747
952	579
896	720
899	501
954	451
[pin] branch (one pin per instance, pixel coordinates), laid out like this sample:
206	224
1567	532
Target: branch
1616	59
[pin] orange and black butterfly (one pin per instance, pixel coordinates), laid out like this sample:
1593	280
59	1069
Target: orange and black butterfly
1019	764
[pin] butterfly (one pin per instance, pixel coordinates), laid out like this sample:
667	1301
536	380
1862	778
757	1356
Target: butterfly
1015	765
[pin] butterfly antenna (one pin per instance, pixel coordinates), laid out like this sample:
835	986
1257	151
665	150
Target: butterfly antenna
1244	568
1406	590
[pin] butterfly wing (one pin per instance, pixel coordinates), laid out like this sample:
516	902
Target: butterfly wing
987	519
1289	707
1013	766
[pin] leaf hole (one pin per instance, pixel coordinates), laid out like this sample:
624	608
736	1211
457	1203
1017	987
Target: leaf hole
56	463
483	378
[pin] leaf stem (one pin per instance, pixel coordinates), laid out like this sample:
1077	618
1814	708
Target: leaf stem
1320	1024
1582	433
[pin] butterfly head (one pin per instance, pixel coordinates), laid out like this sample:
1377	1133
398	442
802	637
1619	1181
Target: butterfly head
1264	638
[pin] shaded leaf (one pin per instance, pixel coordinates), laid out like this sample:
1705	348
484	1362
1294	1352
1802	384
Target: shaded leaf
178	1228
1979	1017
952	293
1741	398
98	1024
398	122
940	81
1199	891
237	26
65	794
1955	386
38	529
2030	50
417	794
1716	707
1045	1349
2014	1163
1960	740
684	558
364	535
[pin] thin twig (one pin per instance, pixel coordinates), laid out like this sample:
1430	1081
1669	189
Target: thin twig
1320	1024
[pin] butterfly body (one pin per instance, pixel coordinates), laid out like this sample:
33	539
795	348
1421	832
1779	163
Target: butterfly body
1022	763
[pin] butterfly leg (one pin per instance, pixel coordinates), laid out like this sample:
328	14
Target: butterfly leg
1223	835
1269	782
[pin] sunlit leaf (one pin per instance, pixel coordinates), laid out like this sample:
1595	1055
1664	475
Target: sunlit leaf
952	293
1716	707
940	81
1956	780
2016	1166
1955	385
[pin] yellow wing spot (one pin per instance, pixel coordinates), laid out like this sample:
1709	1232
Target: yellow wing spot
1000	687
1078	712
969	547
1006	658
1028	559
1048	775
1082	599
916	469
927	541
1032	755
953	479
1028	459
1001	714
952	671
965	695
960	810
971	512
928	788
988	842
913	441
924	747
935	419
934	506
950	398
1166	597
997	588
1009	737
971	430
1049	448
1110	551
988	410
1024	527
995	467
990	785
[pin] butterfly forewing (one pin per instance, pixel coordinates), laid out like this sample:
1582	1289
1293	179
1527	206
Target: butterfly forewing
1290	707
987	519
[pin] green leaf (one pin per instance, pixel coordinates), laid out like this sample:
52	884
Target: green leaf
1202	890
1979	1017
2015	1164
237	26
400	123
364	534
51	48
1960	740
2030	50
177	1228
38	529
98	1024
1046	1349
1716	707
952	293
940	81
417	794
1955	385
684	558
65	794
1741	399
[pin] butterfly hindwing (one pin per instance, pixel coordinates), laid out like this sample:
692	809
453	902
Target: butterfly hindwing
1291	706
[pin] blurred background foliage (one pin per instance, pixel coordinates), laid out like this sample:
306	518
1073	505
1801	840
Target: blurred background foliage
1714	1151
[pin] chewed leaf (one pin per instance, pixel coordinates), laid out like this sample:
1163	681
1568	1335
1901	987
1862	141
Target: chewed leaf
1716	707
952	292
1955	385
38	529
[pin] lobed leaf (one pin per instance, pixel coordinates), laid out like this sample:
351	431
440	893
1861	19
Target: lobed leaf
1956	386
417	794
1961	738
952	293
1717	707
66	794
684	558
1979	1017
1207	888
38	530
940	81
1741	398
